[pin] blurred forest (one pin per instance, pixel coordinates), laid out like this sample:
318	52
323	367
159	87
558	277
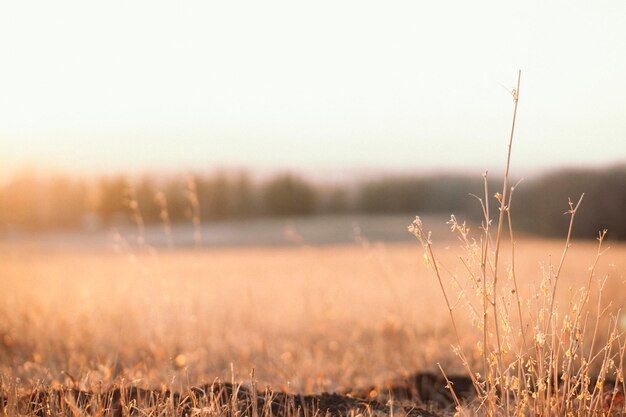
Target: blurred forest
34	203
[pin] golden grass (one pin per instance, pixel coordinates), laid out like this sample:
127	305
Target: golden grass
307	319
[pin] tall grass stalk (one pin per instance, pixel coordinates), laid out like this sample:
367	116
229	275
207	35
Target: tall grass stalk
503	208
557	372
194	209
133	205
161	200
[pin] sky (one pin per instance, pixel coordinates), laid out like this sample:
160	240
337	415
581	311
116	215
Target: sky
322	87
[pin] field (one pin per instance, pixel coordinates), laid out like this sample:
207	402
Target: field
306	319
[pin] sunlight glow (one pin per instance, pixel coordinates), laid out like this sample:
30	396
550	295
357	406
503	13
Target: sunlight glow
92	87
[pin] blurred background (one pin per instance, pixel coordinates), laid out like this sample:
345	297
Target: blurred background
280	123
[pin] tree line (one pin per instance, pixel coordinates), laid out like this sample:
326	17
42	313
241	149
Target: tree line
30	202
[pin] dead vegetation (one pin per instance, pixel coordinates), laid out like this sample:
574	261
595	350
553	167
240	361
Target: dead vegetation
535	327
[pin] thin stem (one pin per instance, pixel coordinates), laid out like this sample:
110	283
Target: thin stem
483	268
517	296
572	211
503	199
418	230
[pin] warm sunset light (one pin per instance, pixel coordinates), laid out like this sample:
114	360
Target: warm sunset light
312	209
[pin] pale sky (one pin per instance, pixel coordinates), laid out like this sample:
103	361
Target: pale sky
320	86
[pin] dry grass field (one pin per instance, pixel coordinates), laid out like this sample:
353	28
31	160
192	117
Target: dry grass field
306	319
